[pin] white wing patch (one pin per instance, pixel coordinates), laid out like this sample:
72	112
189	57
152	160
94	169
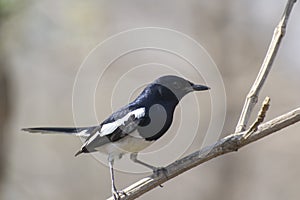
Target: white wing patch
107	129
111	127
83	133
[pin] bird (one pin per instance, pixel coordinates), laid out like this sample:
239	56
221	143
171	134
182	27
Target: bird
133	127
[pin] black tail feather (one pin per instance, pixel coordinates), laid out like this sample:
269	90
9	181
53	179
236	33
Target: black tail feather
79	152
53	130
83	150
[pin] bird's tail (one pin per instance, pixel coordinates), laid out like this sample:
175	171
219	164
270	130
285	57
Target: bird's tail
81	132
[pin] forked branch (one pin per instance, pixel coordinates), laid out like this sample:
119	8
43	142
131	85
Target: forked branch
240	138
252	96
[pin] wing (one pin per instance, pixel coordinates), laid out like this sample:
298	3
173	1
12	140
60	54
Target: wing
117	126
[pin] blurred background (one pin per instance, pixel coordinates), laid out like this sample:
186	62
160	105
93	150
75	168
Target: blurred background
43	44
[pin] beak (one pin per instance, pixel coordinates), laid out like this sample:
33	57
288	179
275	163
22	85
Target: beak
199	87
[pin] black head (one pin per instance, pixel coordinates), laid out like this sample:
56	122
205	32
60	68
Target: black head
171	85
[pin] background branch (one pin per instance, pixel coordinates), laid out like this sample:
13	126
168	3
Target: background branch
228	144
252	96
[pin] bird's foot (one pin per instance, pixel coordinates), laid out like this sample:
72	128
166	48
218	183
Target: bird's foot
117	194
160	170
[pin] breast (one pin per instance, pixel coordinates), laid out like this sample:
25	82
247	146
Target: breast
160	119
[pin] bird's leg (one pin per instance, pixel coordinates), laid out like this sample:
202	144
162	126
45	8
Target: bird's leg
156	170
112	177
133	157
114	190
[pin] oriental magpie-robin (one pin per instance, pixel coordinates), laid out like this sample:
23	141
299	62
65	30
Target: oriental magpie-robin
135	126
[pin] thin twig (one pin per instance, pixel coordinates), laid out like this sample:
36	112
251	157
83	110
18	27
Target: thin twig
260	117
252	96
228	144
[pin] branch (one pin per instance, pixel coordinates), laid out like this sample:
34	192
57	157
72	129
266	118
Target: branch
260	117
238	139
228	144
252	96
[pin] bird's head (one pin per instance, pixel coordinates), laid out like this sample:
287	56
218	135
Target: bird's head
171	85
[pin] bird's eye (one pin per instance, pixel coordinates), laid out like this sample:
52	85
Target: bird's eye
176	85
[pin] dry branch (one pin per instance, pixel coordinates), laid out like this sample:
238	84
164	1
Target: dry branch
228	144
260	117
252	96
238	139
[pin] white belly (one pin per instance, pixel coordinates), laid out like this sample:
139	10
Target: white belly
128	144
